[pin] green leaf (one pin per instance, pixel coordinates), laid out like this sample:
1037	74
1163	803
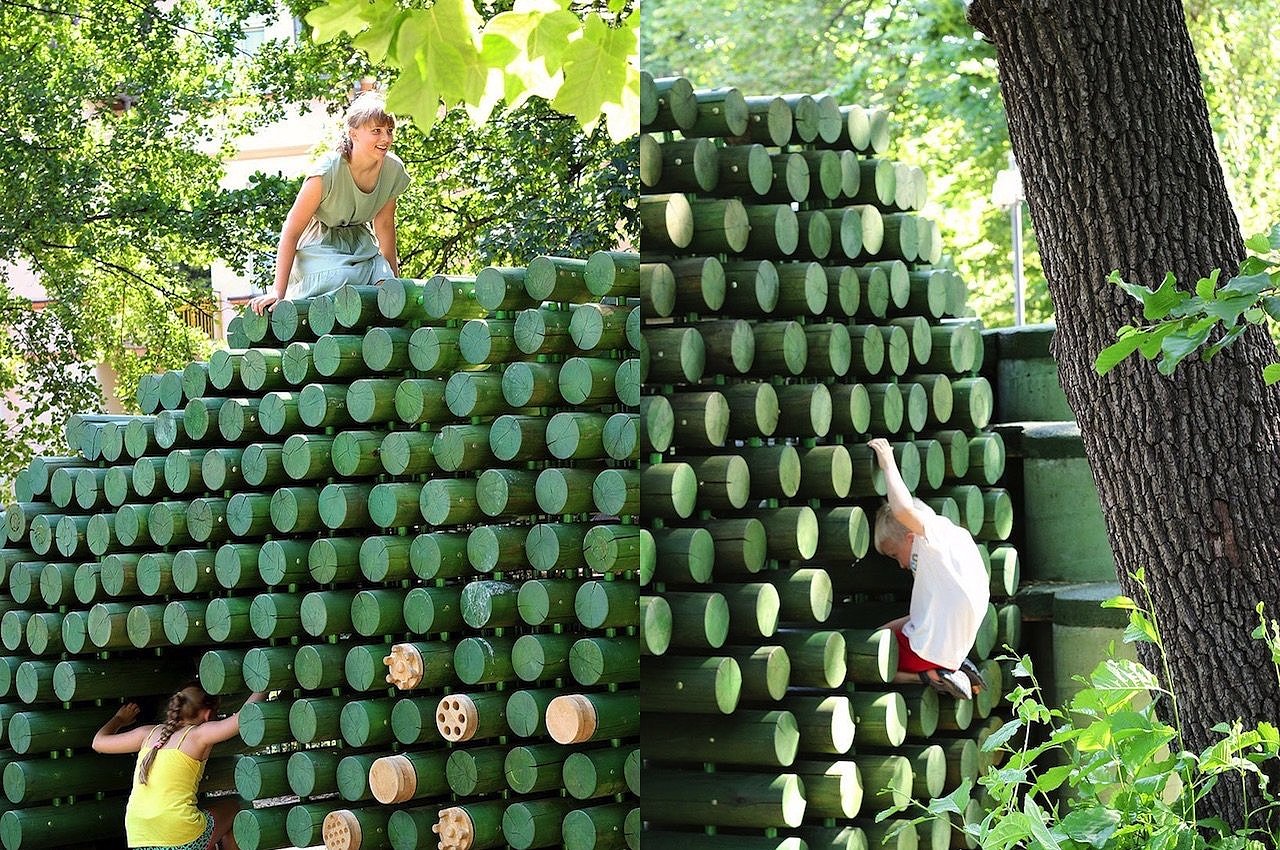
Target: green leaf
1258	243
1053	778
1140	629
1124	603
1156	305
1001	736
1273	237
953	803
595	70
1093	825
549	39
1179	344
1113	354
1118	674
335	18
1271	303
384	17
1149	346
1271	374
1204	288
1039	828
1251	285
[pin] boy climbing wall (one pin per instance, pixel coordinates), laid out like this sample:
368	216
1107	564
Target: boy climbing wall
950	592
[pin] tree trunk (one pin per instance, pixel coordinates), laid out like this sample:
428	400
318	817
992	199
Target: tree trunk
1109	124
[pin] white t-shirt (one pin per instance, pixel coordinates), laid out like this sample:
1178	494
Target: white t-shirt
951	592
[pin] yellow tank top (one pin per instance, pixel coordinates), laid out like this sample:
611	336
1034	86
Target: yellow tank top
163	812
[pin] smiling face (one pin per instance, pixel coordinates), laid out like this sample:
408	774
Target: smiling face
371	140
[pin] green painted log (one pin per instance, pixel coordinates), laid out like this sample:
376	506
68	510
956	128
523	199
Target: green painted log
881	718
616	492
766	671
531	384
844	533
724	481
602	660
193	571
407	665
986	459
956	451
887	778
684	555
813	408
622	436
492	548
260	829
320	666
373	400
439	555
475	771
171	390
658	423
655	625
236	565
112	440
447	297
184	622
24	581
954	348
971	503
87	584
313	772
790	179
222	469
34	681
450	501
62	486
144	626
131	525
697	685
49	729
386	349
849	228
70	537
502	288
659	840
262	369
534	767
541	656
690	165
701	420
324	405
805	595
269	668
490	604
700	285
1005	570
612	548
376	612
200	416
60	825
752	288
819	659
228	619
730	346
760	800
278	413
404	453
274	615
539	602
435	351
44	633
298	363
168	522
13	627
262	723
760	738
607	604
815	235
262	776
560	490
923	710
118	485
613	273
93	679
366	723
753	610
826	723
832	789
238	420
337	506
483	660
535	823
413	720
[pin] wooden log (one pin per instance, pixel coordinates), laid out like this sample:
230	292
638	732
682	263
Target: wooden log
763	800
881	717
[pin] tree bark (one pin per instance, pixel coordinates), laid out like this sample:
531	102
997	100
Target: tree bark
1108	121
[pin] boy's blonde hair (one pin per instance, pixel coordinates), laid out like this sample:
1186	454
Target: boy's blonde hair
887	525
368	109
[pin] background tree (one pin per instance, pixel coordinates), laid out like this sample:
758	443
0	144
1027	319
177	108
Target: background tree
114	123
922	62
1110	125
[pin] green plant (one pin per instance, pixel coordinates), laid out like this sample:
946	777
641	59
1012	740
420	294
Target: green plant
1108	771
1180	322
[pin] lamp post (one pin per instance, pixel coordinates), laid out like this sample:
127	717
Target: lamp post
1007	194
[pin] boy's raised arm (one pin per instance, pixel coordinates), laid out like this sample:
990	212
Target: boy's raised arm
900	500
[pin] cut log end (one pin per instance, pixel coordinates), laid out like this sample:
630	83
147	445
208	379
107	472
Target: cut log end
392	779
341	831
571	719
457	718
455	829
404	666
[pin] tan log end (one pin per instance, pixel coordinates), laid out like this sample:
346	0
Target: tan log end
392	779
341	831
571	719
404	666
455	829
457	717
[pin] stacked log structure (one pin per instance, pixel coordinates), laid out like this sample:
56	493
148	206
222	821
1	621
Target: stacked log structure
795	308
409	512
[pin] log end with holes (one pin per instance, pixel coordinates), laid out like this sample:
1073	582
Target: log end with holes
457	717
404	666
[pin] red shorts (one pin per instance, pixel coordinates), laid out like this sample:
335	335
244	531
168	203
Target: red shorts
908	661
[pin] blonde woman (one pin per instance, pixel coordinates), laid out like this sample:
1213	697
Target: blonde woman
342	226
161	813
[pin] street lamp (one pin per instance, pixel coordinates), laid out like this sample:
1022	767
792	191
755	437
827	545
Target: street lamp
1007	194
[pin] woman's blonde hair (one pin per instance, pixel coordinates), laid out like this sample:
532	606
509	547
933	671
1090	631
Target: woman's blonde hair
184	709
368	109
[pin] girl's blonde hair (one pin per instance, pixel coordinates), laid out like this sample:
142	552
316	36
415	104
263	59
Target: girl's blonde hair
368	109
184	709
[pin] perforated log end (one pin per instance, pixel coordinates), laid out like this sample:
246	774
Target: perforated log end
455	829
341	831
392	779
571	719
457	718
404	666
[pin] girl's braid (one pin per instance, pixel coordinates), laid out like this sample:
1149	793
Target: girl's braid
172	720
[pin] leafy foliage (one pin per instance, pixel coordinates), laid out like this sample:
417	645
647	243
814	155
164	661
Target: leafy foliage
1128	780
922	62
447	54
1181	322
114	127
